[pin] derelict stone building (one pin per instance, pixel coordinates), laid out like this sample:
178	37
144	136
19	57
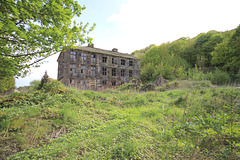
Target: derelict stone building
89	68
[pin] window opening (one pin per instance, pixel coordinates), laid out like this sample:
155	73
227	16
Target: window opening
83	56
130	63
72	68
114	72
93	70
122	72
104	59
83	69
93	58
123	61
130	73
73	55
104	71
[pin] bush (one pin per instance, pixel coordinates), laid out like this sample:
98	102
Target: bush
128	86
219	77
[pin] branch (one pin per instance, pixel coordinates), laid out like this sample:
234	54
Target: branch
41	59
30	54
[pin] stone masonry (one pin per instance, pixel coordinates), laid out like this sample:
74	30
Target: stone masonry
89	68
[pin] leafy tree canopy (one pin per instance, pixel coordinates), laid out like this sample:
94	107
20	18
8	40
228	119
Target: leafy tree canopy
33	30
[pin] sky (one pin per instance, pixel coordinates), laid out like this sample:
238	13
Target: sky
131	25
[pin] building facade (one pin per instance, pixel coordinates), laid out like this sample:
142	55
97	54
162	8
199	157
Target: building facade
89	68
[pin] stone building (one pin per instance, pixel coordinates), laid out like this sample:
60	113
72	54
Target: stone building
89	68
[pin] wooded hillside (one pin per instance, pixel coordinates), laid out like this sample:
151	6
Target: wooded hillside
213	53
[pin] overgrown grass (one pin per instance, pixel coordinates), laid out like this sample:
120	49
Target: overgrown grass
199	123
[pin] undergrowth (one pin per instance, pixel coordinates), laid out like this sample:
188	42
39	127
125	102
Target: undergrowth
60	123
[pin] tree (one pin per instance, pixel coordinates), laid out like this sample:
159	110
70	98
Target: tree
45	79
226	55
33	30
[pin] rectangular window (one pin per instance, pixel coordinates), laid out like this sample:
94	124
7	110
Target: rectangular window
130	73
113	83
114	73
114	61
104	82
72	68
130	63
93	70
83	69
104	59
83	56
122	72
123	61
93	58
104	71
73	55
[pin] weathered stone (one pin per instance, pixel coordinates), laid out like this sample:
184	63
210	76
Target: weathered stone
89	68
160	81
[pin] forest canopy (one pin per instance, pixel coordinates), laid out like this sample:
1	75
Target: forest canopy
212	54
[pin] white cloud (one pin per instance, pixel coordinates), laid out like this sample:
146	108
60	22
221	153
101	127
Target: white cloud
157	21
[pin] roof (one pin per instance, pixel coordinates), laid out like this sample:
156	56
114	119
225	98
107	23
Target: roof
108	52
103	51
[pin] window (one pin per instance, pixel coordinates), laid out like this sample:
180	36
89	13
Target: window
104	71
104	59
113	83
122	61
93	58
72	68
114	71
83	56
83	69
73	55
130	63
114	61
122	72
130	73
93	70
104	82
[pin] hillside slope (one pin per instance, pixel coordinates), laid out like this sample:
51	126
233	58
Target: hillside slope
60	123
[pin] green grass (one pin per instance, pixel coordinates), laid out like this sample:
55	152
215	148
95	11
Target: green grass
200	123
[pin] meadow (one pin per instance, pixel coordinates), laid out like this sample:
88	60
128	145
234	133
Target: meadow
188	122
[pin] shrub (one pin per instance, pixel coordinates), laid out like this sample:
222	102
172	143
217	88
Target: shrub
219	77
128	86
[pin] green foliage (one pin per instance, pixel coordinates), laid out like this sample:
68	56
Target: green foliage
7	83
179	59
140	53
34	30
160	61
220	77
193	122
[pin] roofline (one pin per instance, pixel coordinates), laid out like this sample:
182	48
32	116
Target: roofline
102	51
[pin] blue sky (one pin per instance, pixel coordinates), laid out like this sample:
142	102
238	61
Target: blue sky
131	25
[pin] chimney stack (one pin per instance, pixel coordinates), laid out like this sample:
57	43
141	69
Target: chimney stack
91	45
115	50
